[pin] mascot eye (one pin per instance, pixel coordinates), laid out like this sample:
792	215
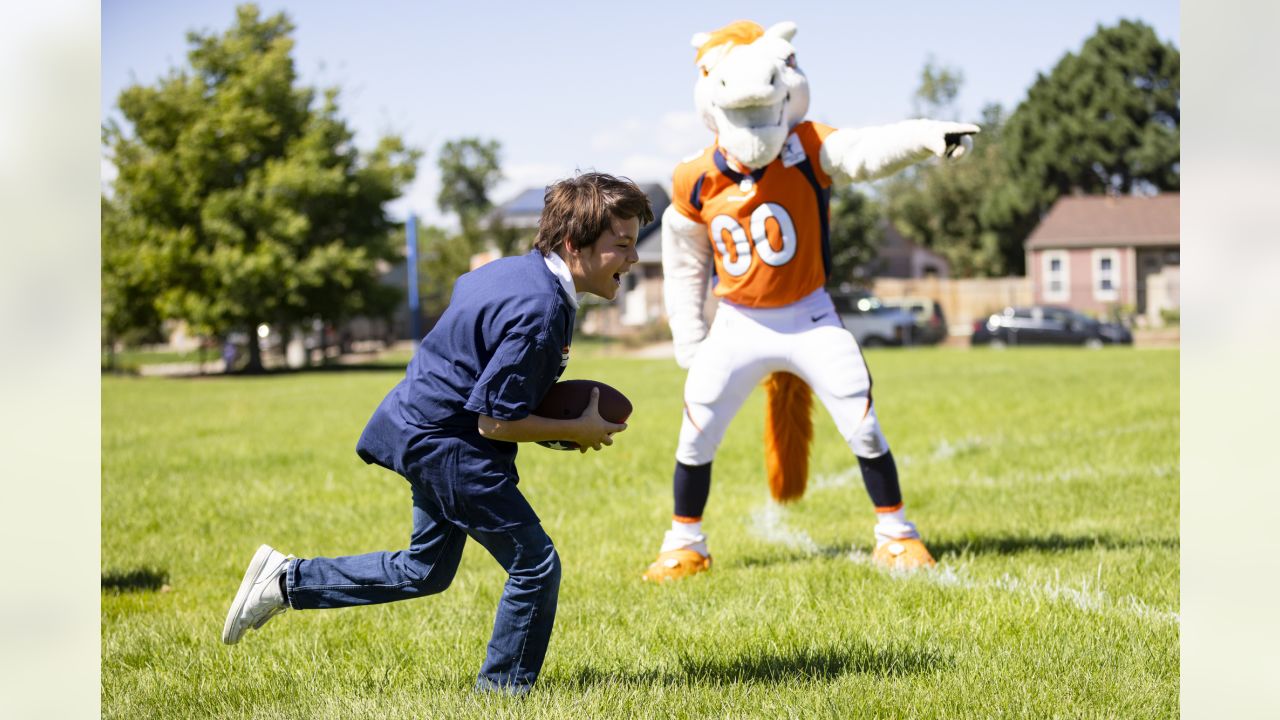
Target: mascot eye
791	60
704	71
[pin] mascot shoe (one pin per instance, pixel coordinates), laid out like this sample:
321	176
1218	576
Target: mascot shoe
676	564
906	554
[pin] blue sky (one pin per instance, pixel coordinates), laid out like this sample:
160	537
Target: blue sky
568	85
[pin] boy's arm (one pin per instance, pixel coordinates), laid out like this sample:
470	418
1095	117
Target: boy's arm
588	431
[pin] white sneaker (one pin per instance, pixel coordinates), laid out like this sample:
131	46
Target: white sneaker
259	598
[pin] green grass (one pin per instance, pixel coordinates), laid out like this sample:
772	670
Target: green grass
1045	481
131	360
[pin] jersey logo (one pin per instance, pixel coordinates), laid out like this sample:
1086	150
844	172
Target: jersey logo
759	239
793	152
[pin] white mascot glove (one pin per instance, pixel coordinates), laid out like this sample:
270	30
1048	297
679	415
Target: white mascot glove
950	140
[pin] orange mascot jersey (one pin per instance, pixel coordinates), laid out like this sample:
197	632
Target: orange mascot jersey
769	229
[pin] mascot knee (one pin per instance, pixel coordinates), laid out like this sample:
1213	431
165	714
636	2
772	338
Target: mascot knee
868	441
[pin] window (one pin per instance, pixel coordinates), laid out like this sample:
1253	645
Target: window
1106	275
1057	276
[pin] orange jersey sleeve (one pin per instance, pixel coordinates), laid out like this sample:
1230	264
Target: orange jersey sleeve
686	185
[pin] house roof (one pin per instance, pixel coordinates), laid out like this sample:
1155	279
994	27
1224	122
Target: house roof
1106	221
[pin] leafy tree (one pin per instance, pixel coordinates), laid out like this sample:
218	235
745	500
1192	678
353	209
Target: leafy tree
941	206
856	235
469	170
240	197
1105	120
128	308
939	87
947	208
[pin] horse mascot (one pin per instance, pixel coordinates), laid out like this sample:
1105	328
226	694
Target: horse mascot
750	214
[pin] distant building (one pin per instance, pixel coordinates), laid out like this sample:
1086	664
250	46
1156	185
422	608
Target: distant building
899	257
1096	253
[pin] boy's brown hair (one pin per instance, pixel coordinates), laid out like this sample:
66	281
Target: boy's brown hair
580	208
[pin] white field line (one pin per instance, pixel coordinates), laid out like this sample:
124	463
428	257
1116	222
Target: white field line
852	477
768	523
945	449
1086	596
948	449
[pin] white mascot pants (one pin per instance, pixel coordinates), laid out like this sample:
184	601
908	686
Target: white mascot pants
745	345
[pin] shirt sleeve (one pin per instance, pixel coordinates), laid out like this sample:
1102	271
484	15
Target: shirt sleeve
812	135
684	187
515	380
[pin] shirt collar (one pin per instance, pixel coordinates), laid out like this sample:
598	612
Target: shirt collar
557	266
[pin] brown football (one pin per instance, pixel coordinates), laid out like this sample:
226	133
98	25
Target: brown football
569	398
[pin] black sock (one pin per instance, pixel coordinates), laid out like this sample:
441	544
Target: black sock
284	587
691	487
880	475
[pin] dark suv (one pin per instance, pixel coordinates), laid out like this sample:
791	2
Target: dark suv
1047	325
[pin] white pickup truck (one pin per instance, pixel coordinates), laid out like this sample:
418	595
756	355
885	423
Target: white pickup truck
871	322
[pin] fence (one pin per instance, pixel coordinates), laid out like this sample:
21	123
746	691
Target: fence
963	301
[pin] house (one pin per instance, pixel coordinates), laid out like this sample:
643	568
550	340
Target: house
1097	254
899	257
639	303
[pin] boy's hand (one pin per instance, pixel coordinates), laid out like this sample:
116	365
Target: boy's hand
594	431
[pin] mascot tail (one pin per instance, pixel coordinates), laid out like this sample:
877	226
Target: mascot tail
788	428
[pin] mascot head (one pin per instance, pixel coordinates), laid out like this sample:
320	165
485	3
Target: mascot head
750	91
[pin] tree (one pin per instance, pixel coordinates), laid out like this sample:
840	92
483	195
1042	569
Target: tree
947	208
941	206
1103	121
936	95
856	235
243	195
470	168
128	307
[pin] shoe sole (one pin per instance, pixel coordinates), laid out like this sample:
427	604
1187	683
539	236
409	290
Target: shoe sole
666	578
242	595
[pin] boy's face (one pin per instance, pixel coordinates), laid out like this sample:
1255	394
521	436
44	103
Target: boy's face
599	268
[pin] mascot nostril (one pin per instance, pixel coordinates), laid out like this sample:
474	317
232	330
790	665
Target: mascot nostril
753	205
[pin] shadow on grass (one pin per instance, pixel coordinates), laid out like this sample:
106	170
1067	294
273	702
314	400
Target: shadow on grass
973	545
768	666
136	580
1018	544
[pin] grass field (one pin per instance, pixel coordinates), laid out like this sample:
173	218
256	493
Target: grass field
1045	482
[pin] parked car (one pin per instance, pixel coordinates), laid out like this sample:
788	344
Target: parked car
871	323
1047	325
930	321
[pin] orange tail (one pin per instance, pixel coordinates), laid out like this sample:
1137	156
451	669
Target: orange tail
788	428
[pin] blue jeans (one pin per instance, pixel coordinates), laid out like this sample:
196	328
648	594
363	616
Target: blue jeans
526	611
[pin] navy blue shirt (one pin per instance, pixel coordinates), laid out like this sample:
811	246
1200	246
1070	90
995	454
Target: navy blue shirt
496	351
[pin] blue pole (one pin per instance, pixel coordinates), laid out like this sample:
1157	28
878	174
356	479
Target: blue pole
411	240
